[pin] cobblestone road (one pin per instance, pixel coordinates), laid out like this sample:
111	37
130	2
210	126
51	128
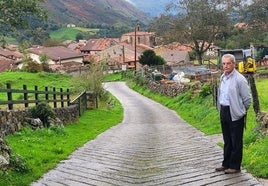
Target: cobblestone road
152	146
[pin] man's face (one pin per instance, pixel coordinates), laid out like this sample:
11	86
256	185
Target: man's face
228	65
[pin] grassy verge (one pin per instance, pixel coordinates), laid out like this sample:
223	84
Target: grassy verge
41	150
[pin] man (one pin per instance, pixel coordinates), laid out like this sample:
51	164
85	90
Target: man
234	99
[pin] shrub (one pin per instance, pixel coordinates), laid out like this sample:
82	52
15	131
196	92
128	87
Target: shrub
18	164
205	91
45	67
33	67
140	80
43	111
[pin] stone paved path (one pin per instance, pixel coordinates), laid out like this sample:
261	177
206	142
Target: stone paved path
152	146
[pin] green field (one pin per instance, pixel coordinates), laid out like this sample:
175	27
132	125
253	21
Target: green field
41	80
11	40
70	33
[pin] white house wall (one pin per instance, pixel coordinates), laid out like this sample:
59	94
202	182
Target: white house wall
51	62
78	60
36	58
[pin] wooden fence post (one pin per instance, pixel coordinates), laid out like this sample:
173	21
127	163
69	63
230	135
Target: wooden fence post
46	94
54	97
9	96
68	97
25	95
36	95
61	97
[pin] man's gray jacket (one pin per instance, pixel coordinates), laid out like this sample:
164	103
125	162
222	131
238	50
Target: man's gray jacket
239	95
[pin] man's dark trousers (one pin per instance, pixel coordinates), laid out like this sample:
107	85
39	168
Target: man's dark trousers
232	132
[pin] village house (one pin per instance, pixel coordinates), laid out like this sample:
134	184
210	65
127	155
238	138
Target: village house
74	45
93	46
122	54
141	37
7	64
9	60
8	54
71	25
174	54
57	56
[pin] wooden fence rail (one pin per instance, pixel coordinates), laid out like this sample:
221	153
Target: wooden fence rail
34	96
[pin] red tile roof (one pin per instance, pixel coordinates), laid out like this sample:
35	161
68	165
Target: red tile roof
7	64
139	33
56	52
99	44
10	54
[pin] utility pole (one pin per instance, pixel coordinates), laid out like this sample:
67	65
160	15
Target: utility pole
135	49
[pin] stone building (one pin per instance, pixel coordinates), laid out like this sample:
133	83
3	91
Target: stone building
145	38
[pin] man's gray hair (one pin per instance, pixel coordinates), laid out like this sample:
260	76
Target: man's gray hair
231	56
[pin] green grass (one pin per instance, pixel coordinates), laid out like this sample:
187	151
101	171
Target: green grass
118	76
70	33
262	87
42	80
43	149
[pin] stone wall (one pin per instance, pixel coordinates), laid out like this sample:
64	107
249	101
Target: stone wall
68	114
13	120
262	119
173	89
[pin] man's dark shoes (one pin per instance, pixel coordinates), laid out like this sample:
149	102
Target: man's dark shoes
221	168
232	171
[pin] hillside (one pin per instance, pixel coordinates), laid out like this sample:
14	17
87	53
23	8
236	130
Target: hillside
112	12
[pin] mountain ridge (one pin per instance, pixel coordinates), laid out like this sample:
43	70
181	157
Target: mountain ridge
110	12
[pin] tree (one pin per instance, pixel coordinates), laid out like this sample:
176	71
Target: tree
52	42
79	36
148	57
255	15
91	80
44	59
17	15
197	23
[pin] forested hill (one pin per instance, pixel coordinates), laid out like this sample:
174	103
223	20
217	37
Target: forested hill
109	12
